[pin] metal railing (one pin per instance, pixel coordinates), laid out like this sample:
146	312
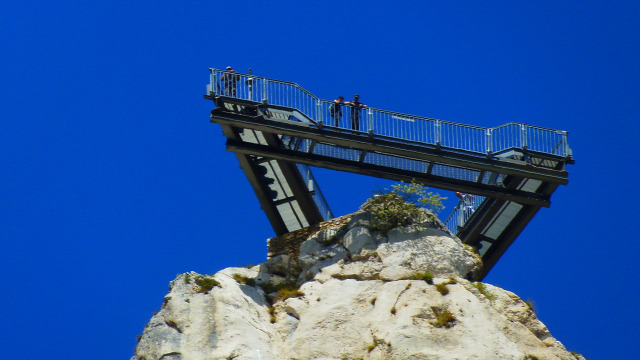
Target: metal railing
462	212
395	125
317	195
310	181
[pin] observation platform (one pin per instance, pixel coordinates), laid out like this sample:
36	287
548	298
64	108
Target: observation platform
278	130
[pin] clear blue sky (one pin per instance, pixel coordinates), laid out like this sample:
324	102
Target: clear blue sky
113	180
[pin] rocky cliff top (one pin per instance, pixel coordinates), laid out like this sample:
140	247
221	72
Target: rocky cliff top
353	292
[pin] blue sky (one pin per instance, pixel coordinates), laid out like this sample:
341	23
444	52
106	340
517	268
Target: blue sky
113	180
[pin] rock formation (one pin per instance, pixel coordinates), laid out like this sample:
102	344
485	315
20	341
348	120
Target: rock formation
353	292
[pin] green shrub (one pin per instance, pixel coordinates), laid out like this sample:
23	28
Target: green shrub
187	278
205	284
417	194
400	206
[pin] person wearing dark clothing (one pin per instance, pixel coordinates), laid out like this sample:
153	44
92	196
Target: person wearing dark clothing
355	111
335	110
230	81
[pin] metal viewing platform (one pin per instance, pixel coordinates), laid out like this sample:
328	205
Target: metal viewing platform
278	129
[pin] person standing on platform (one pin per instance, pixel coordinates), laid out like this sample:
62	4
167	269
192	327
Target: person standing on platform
355	111
465	206
230	80
335	110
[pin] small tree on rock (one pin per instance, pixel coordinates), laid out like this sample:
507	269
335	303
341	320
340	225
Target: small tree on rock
402	206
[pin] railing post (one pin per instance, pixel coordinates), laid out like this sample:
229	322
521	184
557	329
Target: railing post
265	84
250	85
319	111
565	140
212	81
370	120
523	135
489	141
436	128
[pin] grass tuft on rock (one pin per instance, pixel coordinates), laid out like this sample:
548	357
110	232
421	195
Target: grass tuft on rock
288	292
484	291
243	280
442	288
372	346
205	284
426	276
444	318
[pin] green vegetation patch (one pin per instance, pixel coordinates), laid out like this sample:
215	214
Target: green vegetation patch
288	292
272	314
531	304
426	276
372	346
442	288
401	206
444	318
205	284
484	291
243	280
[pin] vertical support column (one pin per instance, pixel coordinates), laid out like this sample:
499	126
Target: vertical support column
319	111
438	135
369	113
489	141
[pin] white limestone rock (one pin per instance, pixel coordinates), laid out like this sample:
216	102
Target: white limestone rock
356	300
231	320
427	250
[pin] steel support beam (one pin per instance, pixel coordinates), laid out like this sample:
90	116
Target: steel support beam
521	197
393	147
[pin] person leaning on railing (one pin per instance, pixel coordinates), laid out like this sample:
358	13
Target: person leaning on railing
335	110
230	81
355	111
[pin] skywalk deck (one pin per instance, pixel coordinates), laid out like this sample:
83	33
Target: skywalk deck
277	130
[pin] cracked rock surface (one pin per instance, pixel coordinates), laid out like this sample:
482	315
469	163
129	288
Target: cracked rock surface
353	293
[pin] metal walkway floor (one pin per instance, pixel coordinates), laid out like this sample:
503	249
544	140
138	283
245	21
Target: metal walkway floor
511	170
